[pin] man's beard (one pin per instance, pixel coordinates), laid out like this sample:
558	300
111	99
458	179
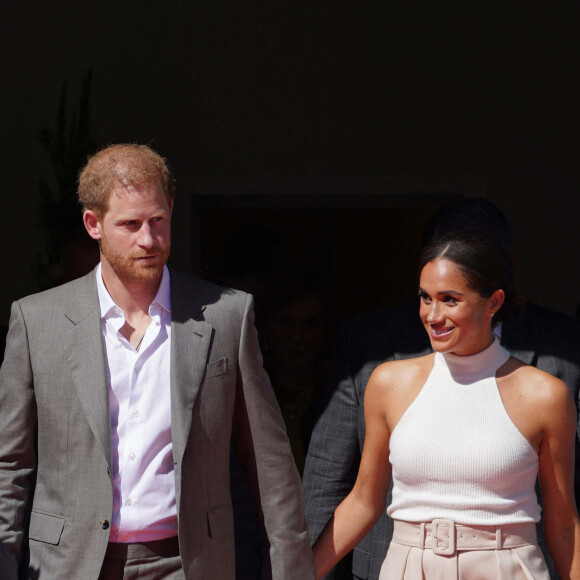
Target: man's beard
129	268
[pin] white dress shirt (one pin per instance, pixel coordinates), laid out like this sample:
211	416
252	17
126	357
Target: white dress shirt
140	408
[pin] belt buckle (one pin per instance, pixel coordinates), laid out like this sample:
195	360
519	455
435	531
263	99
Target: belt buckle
437	549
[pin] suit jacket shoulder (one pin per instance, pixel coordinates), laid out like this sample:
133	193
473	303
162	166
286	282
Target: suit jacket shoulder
375	337
80	291
189	293
546	339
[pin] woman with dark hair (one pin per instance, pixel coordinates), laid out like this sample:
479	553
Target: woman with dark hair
463	433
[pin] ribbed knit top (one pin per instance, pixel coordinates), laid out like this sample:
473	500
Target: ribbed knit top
456	453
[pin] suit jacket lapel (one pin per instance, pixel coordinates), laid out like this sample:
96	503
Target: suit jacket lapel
190	343
87	360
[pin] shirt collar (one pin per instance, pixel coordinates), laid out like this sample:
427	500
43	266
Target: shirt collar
163	296
107	304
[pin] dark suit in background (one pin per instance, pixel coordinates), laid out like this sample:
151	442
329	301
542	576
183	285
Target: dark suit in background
537	336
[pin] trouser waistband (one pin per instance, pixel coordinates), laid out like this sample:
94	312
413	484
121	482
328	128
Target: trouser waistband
167	548
445	537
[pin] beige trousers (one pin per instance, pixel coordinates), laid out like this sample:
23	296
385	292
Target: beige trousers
443	550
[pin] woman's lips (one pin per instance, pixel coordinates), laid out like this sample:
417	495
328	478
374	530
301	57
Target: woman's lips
441	332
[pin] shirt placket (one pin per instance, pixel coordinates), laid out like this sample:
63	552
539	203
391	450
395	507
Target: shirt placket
136	441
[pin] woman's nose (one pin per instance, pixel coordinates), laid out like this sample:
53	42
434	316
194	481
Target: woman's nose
434	314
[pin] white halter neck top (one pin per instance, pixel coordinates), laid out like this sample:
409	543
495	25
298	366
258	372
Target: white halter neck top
456	453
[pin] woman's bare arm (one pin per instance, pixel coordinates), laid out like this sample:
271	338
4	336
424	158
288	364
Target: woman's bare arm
561	523
358	512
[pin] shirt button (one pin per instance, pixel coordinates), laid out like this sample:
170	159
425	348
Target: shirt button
129	501
132	457
136	414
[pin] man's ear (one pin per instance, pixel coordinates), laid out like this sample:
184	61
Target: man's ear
92	224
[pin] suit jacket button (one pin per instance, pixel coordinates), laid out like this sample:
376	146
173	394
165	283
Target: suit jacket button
104	524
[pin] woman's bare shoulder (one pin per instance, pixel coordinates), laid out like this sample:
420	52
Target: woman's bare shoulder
396	367
400	374
534	384
394	385
536	401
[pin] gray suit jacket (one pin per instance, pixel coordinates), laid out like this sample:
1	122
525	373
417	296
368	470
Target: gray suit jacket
543	338
56	494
